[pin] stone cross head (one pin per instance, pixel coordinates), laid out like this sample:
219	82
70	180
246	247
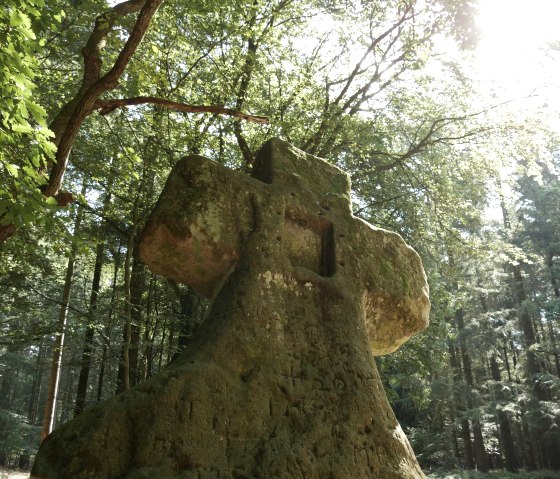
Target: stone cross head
206	214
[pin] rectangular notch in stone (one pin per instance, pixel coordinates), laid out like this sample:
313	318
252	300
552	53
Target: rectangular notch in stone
309	243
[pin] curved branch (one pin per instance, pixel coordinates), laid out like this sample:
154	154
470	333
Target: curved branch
108	106
82	104
91	53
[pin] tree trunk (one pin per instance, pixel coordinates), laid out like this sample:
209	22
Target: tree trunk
465	358
554	344
54	379
479	449
453	432
530	460
507	442
66	407
81	392
189	315
135	272
108	325
526	326
478	440
87	351
162	344
33	404
553	278
137	291
134	287
134	281
150	330
506	360
467	444
8	381
551	333
123	375
515	354
465	428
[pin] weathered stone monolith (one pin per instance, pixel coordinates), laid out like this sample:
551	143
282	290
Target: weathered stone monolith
280	380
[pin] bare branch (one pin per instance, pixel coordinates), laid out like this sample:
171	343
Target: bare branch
108	106
56	301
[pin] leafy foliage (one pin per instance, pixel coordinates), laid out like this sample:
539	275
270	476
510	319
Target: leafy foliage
25	146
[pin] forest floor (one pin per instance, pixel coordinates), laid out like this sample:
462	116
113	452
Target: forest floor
493	475
13	474
19	474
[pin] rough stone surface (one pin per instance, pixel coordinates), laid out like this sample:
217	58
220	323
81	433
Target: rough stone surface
280	381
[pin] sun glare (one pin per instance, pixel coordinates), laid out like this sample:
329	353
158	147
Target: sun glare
514	46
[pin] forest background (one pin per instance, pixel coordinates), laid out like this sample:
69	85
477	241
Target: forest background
98	101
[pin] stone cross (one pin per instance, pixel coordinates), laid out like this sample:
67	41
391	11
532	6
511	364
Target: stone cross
279	381
302	205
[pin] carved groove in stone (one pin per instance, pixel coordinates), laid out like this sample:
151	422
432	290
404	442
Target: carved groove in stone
309	243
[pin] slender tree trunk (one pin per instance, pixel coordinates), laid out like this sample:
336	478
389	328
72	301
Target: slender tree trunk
553	280
162	345
530	460
137	291
134	282
506	360
107	329
554	344
190	315
87	351
467	444
478	440
81	392
8	382
526	326
454	440
126	368
507	442
66	406
101	377
551	333
465	428
514	356
33	403
54	379
149	333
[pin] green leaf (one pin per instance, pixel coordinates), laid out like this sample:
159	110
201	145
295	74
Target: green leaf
16	19
37	111
23	110
32	173
12	169
21	82
22	128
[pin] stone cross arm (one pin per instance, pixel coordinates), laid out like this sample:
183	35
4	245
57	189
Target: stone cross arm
300	205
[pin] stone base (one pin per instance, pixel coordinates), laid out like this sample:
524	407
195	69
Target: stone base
258	394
